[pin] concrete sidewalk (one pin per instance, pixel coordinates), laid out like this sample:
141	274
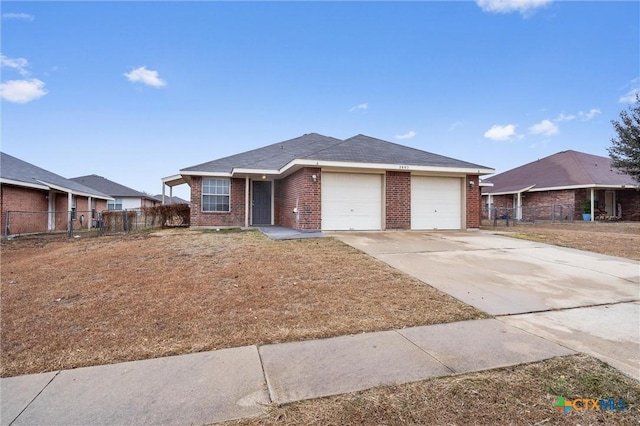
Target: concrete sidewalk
239	382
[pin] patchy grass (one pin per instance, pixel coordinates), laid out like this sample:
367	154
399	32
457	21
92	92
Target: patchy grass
521	395
89	301
611	238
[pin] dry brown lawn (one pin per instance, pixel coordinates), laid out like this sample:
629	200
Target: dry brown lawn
89	301
615	239
521	395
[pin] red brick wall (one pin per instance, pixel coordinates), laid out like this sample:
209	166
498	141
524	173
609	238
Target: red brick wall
630	201
299	190
15	198
235	217
398	200
473	202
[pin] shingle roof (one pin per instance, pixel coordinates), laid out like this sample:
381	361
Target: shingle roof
174	200
563	169
312	146
110	187
16	170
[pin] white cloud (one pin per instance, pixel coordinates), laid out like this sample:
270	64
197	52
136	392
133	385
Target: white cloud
586	116
18	64
24	16
629	97
145	76
22	91
501	133
563	117
455	126
545	127
410	134
634	90
361	107
525	7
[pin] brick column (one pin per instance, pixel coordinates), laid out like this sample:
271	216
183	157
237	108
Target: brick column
398	200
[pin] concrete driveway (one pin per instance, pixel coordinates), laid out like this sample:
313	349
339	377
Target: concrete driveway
585	301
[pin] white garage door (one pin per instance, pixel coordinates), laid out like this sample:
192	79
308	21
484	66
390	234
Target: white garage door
351	201
436	202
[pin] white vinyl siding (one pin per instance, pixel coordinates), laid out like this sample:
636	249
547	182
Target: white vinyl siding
436	202
351	201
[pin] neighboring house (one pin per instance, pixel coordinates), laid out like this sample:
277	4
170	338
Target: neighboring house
41	201
318	182
562	182
170	200
124	198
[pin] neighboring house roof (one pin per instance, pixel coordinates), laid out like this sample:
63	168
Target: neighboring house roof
563	170
170	200
312	149
110	187
18	172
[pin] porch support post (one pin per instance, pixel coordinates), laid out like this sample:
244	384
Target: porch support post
69	207
89	221
51	221
246	202
519	211
163	187
593	193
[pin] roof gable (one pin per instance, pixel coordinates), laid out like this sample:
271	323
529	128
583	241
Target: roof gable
358	149
110	187
16	170
563	169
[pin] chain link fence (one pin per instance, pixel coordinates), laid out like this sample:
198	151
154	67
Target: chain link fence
555	213
93	222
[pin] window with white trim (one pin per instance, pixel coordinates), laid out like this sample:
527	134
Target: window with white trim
115	204
215	195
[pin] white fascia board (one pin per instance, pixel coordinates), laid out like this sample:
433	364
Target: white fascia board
589	186
486	184
520	191
206	174
25	184
173	180
383	166
255	172
71	191
296	163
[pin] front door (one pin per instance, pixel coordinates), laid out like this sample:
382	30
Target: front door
261	205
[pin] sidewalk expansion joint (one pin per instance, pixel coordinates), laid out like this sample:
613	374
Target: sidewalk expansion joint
35	397
570	308
425	352
264	375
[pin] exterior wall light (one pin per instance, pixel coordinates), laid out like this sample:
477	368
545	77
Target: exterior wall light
471	184
314	178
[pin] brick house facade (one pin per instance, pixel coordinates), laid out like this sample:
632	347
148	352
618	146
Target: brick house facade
560	187
318	182
34	200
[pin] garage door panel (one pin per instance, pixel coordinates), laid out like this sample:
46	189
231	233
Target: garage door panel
351	201
436	202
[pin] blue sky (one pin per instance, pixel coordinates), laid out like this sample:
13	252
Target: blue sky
135	91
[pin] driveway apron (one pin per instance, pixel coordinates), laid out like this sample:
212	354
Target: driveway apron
509	277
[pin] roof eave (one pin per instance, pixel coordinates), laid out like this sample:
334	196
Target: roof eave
22	183
75	192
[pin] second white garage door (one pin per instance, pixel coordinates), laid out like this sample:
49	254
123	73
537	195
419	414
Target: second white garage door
351	201
436	202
